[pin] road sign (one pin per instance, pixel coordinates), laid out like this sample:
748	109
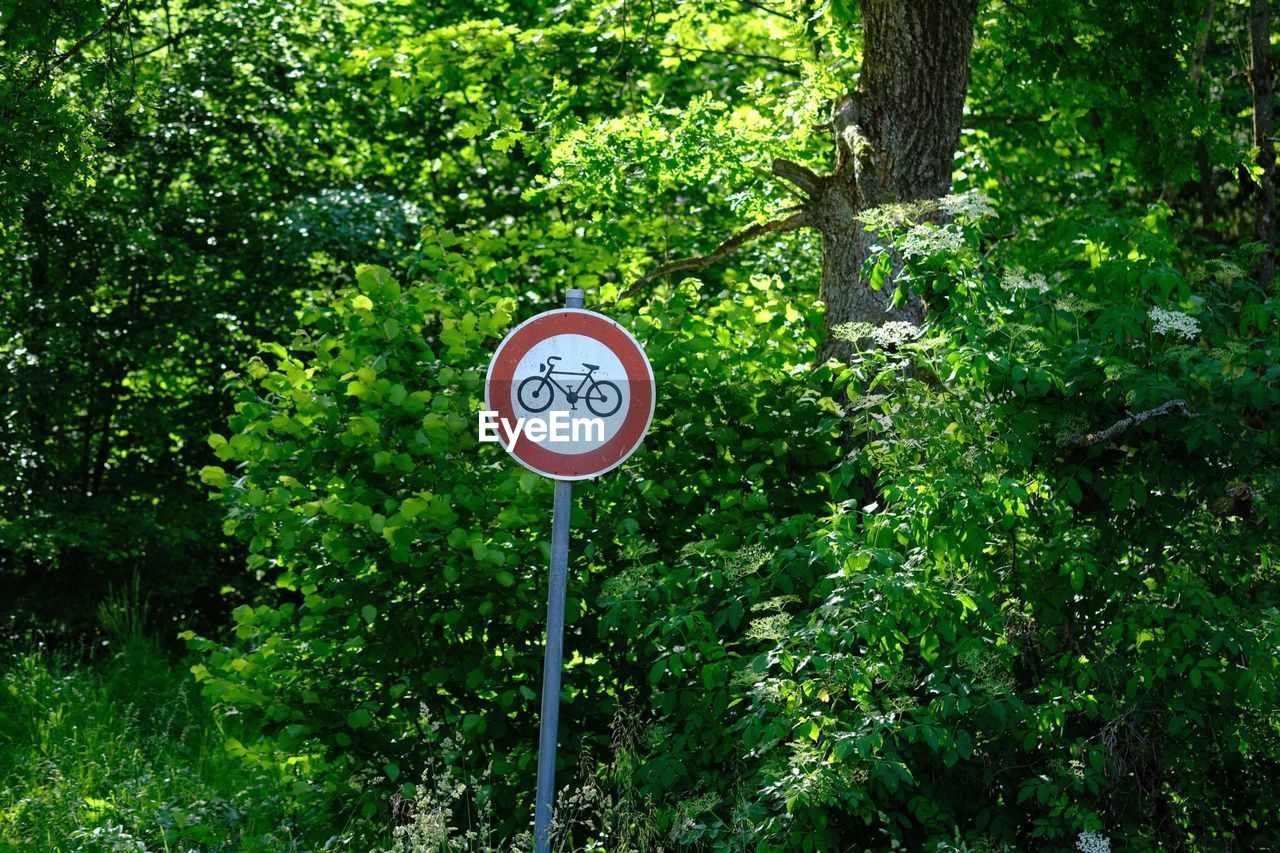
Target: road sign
575	391
586	383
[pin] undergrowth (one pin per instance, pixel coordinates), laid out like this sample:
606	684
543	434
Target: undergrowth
122	754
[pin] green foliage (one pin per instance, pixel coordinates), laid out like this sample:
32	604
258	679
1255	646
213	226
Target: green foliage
221	178
989	619
921	598
125	754
1018	637
411	563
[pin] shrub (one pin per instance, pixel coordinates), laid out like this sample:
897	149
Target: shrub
932	597
409	560
1013	624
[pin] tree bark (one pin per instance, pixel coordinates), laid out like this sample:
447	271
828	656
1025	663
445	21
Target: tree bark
1264	131
895	140
1205	187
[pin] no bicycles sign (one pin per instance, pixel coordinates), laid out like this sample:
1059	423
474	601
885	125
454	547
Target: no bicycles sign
569	394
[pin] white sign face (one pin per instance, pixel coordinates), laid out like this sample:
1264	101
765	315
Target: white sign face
575	368
571	394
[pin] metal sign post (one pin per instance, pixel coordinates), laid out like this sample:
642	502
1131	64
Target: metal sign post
553	659
551	666
540	374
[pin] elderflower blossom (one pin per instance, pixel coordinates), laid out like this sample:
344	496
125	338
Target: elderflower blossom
893	333
769	628
989	669
1075	305
852	332
1093	842
969	205
1174	323
923	241
747	561
1017	280
624	582
1230	351
891	216
1225	272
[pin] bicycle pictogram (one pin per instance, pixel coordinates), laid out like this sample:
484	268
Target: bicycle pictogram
536	393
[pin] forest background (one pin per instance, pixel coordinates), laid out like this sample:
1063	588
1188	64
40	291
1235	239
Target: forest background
955	528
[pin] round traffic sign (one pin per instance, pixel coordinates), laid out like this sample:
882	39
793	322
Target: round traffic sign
570	394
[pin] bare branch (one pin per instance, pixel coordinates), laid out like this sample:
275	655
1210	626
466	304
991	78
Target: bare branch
800	176
168	42
77	47
764	7
679	50
774	226
1089	439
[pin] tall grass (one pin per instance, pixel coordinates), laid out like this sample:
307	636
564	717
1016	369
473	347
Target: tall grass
122	754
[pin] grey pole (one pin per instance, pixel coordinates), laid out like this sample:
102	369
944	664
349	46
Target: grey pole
553	659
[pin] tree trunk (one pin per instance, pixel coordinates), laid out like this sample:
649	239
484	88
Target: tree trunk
1206	188
895	139
1264	131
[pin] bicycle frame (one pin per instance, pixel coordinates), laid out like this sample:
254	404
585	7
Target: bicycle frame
576	393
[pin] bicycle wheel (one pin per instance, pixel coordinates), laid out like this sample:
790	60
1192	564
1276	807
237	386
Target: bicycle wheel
530	391
604	399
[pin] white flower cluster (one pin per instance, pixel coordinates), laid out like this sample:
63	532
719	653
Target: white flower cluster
893	333
1017	280
1174	323
746	561
1225	271
776	603
628	580
1093	842
923	241
769	627
1075	305
969	205
891	216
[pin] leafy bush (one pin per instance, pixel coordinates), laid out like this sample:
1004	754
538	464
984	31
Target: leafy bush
1006	580
410	558
975	619
1020	631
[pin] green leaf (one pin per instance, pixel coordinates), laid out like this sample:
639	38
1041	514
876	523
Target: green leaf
214	476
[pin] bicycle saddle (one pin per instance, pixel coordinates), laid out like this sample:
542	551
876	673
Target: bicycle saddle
590	366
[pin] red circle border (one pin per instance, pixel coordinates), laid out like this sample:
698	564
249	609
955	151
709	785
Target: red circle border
499	385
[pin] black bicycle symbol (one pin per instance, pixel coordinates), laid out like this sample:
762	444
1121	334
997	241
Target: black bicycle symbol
602	397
